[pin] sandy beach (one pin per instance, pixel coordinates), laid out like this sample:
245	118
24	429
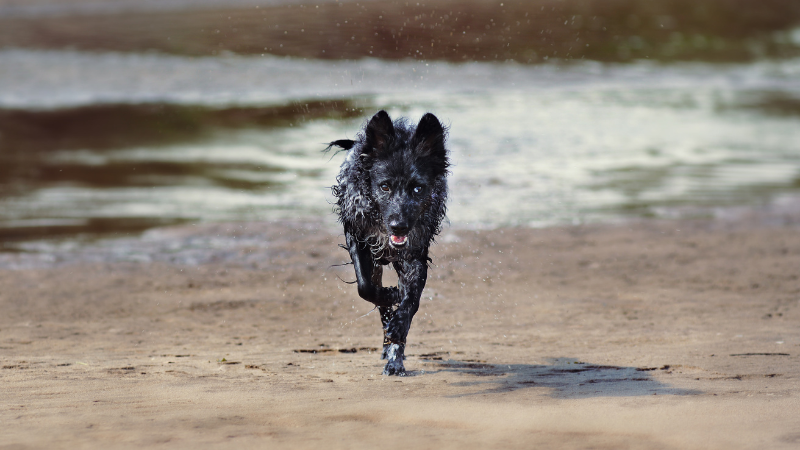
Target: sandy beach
644	335
144	306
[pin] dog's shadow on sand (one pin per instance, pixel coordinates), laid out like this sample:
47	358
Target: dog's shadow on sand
563	377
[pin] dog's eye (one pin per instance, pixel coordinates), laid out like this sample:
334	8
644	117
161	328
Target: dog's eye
417	189
384	187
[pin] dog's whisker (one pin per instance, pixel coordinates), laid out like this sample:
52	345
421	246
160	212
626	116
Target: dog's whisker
347	282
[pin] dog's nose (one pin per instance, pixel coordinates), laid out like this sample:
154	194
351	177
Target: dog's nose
399	228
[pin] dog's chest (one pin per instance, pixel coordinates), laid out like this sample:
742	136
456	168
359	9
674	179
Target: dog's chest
386	255
386	260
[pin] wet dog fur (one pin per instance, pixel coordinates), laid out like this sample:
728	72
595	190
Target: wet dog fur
391	193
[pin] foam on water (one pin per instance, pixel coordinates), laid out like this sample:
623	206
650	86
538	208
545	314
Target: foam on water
56	79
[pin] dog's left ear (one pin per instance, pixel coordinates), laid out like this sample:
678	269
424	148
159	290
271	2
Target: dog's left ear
379	133
428	143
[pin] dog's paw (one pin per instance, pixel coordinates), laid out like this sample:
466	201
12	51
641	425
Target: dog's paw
395	368
395	355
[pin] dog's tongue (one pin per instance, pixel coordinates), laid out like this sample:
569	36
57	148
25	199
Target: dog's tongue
399	240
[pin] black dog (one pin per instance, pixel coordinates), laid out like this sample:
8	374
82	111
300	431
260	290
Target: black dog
391	193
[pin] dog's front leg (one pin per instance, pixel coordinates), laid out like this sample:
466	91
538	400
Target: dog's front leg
369	275
411	278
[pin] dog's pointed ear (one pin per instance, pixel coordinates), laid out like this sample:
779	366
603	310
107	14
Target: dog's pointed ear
429	137
378	133
428	143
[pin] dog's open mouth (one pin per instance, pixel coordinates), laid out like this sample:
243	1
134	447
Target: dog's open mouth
398	241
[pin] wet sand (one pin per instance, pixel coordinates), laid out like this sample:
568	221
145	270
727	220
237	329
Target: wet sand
646	335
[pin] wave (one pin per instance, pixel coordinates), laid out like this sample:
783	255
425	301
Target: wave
31	79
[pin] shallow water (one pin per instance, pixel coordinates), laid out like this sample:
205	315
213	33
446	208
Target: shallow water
110	142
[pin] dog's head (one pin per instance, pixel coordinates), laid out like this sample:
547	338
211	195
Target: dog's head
406	167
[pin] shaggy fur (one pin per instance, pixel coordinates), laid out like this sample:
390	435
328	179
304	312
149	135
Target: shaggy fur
391	192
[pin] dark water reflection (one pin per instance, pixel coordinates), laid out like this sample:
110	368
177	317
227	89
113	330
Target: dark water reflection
125	125
78	230
81	150
28	140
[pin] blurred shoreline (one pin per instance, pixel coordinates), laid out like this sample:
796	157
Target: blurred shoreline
49	8
475	30
119	116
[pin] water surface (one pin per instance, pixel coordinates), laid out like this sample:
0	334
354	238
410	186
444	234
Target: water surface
109	142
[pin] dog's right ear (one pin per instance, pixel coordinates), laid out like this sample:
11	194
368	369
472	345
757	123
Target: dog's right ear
429	136
428	142
378	133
